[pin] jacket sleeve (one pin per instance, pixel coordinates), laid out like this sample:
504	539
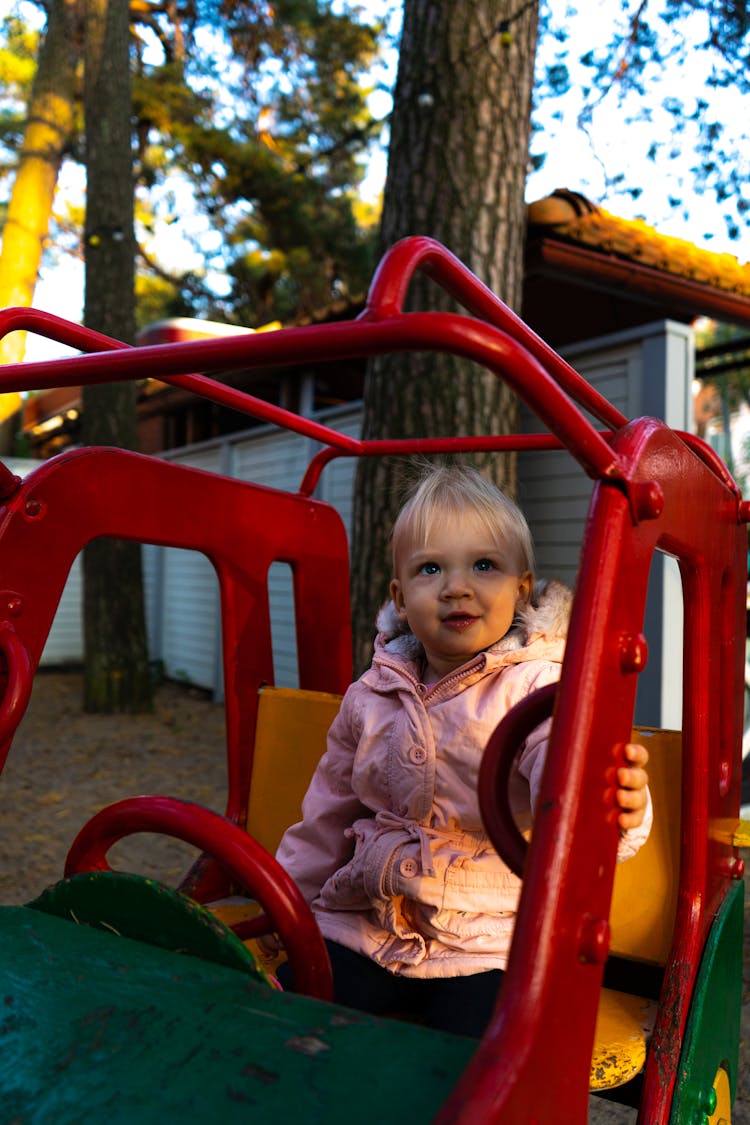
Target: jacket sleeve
533	756
319	844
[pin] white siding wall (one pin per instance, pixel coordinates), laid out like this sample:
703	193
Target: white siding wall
553	490
65	641
646	371
182	599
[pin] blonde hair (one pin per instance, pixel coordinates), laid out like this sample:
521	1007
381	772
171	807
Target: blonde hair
454	489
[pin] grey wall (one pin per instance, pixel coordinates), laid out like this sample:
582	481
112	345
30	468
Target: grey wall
646	371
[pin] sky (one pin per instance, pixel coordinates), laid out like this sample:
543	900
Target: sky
574	159
581	162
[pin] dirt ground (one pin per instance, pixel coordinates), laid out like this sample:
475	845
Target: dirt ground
64	766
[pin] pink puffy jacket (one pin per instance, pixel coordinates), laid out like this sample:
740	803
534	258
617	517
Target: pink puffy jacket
391	851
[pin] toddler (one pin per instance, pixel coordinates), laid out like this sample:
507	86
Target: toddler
416	907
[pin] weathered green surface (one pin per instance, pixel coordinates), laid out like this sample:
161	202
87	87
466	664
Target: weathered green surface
144	909
98	1028
713	1030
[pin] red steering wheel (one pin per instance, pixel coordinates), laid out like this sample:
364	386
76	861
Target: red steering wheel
238	853
504	745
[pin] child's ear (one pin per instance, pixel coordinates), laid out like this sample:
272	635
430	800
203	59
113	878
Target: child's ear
525	585
398	598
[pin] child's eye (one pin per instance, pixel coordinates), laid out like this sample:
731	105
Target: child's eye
429	568
484	564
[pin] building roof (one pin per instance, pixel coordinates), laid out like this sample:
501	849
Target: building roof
621	272
573	218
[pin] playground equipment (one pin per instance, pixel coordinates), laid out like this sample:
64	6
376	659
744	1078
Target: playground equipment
626	982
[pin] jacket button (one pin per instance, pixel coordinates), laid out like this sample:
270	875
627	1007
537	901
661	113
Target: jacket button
418	755
408	868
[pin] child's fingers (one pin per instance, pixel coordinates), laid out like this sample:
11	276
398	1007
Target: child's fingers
627	820
628	778
632	781
631	799
636	754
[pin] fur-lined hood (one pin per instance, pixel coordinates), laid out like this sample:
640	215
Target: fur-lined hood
538	632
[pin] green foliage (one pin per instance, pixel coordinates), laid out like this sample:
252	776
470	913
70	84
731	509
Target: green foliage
255	115
251	130
158	298
264	112
724	359
18	47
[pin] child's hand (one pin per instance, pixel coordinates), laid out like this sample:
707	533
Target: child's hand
270	946
632	781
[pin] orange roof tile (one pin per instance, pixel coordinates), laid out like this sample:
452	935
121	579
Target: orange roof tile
570	217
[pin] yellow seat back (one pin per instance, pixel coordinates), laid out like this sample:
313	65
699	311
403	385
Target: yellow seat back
644	900
290	738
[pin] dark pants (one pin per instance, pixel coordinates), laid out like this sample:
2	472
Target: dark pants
462	1005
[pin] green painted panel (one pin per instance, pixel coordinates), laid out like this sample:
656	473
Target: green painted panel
98	1028
712	1035
135	907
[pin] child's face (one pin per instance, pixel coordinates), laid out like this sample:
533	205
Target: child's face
455	592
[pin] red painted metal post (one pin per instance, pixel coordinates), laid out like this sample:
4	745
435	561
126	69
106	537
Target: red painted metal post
545	1018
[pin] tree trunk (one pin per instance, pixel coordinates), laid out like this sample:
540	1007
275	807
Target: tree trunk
457	168
49	125
117	669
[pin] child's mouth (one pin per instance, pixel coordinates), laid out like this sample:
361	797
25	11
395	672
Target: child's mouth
459	621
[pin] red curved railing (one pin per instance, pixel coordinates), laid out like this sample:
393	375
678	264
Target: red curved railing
492	336
493	788
497	338
236	851
499	341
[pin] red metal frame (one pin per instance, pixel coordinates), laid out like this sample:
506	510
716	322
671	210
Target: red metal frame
655	489
239	854
242	528
562	932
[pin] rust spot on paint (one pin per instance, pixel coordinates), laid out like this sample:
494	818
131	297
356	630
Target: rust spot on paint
260	1074
307	1045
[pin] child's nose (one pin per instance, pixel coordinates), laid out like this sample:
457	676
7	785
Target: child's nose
456	584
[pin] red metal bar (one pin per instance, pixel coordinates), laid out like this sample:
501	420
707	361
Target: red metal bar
459	335
56	328
242	856
385	300
561	938
242	529
393	277
383	448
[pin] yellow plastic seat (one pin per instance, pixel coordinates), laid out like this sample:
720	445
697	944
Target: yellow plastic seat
623	1026
291	738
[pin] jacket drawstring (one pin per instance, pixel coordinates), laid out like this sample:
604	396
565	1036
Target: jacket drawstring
421	833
